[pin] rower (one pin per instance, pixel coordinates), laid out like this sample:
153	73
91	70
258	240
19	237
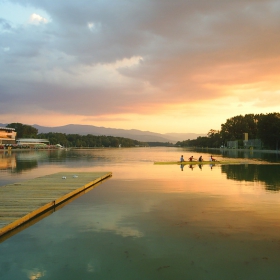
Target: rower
191	158
200	158
182	158
212	159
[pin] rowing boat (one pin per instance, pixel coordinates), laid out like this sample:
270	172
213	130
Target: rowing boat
192	162
215	162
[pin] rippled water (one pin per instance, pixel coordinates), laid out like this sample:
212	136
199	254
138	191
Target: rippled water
150	221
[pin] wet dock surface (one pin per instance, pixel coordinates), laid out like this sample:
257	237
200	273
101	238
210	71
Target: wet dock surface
21	202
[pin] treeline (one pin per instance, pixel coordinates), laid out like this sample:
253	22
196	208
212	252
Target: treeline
74	140
265	127
160	144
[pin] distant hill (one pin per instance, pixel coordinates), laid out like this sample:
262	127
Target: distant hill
144	136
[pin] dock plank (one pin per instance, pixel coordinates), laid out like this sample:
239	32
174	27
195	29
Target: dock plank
21	202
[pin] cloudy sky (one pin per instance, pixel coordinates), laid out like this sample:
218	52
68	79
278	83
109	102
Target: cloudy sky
157	65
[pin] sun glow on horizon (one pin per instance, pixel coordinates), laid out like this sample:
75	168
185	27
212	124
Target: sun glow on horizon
187	73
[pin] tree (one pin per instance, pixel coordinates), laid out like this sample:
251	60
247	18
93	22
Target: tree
234	128
76	140
214	138
23	130
269	129
266	127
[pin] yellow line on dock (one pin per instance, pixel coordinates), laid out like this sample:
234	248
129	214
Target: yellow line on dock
22	202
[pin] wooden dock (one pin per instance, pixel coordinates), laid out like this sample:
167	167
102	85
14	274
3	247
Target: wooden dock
22	202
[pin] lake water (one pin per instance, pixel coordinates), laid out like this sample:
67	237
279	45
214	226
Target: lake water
150	221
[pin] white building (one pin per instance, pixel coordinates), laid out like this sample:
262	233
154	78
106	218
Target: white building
7	135
31	142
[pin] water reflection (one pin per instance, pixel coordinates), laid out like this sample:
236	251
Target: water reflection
271	156
17	163
193	166
268	174
23	161
152	222
7	161
123	230
35	273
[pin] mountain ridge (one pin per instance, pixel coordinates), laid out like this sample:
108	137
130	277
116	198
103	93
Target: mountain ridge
143	136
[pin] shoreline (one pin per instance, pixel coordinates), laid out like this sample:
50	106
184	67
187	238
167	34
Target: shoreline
190	148
242	150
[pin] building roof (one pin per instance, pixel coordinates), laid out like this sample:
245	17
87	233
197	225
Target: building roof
32	140
6	128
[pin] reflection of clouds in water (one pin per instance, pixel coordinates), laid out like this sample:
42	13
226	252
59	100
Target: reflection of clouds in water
93	265
90	268
35	273
126	231
216	217
114	214
148	204
108	219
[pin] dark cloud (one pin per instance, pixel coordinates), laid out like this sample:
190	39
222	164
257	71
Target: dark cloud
185	45
5	25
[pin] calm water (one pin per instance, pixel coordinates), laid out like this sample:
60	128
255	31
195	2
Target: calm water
150	221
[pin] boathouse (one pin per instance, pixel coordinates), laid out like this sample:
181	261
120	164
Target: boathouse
7	135
32	142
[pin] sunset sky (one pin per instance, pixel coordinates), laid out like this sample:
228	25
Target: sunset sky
156	65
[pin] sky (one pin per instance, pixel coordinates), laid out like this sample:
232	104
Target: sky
154	65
